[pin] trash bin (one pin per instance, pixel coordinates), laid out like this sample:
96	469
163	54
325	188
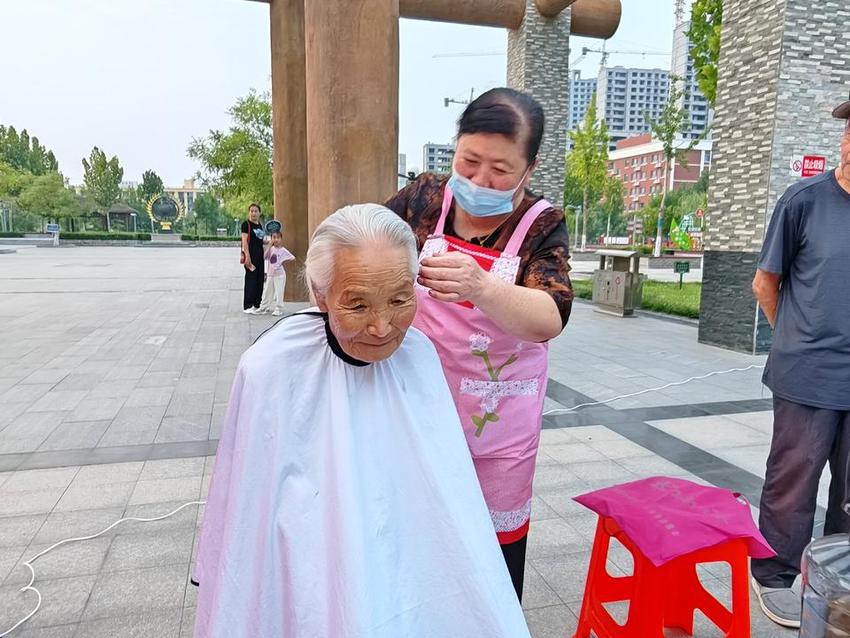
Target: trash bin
617	284
826	588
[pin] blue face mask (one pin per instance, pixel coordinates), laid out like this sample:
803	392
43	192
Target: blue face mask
479	201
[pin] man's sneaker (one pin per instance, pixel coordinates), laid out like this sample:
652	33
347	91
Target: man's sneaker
250	311
782	605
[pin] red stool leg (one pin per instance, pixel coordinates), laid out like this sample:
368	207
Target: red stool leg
680	577
740	593
691	594
595	572
646	607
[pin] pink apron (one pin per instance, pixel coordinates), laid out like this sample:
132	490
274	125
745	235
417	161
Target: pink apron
498	381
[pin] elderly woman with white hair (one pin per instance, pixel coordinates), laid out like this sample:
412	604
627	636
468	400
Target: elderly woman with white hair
344	502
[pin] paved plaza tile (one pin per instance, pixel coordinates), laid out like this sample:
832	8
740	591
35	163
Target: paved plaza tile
113	389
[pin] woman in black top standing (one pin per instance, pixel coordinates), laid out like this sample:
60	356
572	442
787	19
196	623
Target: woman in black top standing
252	247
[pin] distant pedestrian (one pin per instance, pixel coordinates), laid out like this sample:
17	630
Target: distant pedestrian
276	255
253	237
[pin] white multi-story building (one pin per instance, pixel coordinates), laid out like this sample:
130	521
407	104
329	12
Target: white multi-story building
625	97
693	101
402	170
437	158
186	194
582	91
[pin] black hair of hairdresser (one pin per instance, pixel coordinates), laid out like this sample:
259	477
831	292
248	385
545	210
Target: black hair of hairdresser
506	112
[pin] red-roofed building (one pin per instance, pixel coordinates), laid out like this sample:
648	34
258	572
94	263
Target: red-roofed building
639	163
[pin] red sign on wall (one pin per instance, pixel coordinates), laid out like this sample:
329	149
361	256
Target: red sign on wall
808	165
813	165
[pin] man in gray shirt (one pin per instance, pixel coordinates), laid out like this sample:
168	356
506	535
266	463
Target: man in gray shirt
803	287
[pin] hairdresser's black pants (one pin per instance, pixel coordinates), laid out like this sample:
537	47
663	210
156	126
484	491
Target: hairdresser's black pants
804	440
514	554
253	287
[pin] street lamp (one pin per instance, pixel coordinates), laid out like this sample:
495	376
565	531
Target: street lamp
133	215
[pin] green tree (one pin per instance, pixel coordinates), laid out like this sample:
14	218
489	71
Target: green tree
612	205
24	153
151	185
209	213
704	33
12	183
680	202
237	164
587	163
47	196
669	129
102	178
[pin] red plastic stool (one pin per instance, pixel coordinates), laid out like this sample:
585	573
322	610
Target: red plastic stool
665	596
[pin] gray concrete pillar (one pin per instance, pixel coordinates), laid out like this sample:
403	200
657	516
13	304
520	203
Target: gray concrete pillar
783	68
538	64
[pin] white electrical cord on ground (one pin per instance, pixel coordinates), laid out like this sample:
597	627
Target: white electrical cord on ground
658	389
28	563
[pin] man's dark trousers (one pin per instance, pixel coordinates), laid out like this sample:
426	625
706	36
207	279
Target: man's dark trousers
804	439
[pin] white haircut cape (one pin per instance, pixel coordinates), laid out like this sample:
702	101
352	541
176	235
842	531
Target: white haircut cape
344	503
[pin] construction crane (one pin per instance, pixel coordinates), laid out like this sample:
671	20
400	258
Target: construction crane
451	100
468	54
605	53
482	54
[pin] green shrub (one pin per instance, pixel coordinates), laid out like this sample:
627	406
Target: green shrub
106	236
667	297
583	288
210	238
658	296
11	234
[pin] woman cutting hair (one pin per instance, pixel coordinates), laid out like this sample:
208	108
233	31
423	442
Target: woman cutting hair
493	289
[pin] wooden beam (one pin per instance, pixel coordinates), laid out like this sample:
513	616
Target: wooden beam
289	124
596	18
590	18
352	104
551	8
488	13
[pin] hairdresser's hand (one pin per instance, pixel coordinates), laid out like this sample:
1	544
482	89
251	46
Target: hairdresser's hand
454	277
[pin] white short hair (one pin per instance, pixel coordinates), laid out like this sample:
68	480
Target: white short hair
353	227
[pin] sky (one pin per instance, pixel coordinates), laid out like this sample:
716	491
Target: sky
140	79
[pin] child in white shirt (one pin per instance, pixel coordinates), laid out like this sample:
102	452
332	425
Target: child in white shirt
275	255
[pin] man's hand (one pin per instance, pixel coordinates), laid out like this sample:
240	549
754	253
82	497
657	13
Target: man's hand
454	277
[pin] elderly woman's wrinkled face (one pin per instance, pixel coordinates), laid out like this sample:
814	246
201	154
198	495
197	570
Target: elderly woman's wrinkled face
371	302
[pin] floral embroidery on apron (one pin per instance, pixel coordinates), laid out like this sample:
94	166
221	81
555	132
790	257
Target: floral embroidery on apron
497	381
